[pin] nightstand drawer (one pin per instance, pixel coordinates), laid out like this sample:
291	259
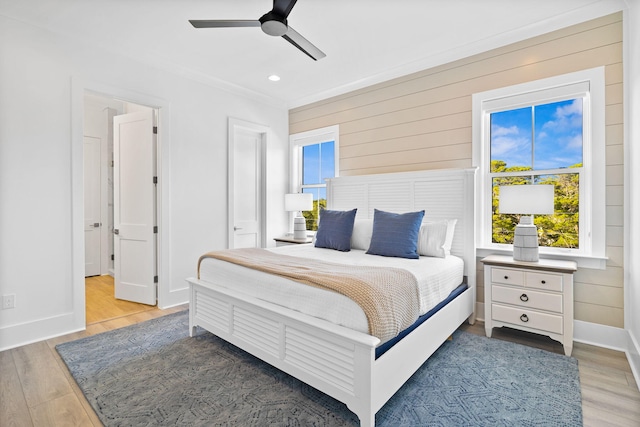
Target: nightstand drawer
527	298
509	277
547	281
527	318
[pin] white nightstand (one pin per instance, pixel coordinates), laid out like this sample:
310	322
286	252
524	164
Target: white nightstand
531	296
289	240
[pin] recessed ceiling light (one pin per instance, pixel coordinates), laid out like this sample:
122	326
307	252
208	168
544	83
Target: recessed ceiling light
274	78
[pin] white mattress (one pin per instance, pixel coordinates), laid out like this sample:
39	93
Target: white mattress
436	277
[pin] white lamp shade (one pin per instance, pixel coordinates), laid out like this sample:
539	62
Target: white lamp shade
298	202
526	199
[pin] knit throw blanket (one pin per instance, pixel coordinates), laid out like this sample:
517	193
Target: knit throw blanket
388	296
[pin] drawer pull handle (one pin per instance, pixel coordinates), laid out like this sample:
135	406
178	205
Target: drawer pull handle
524	318
524	298
506	277
543	282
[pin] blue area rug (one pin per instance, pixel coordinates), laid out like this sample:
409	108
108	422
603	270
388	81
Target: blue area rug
153	374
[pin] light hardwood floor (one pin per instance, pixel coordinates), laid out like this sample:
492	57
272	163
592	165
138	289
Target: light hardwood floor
37	389
101	304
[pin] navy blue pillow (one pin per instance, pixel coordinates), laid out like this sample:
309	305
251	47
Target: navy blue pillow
335	229
395	234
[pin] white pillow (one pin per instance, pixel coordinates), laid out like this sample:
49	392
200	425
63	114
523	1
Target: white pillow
435	238
362	232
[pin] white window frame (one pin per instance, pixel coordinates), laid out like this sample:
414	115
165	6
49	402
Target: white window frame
316	136
587	84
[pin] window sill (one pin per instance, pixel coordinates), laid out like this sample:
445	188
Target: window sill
584	261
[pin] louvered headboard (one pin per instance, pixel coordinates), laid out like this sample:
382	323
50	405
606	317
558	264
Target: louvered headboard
443	194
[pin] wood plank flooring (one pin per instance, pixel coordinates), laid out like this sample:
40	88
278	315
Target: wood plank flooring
37	389
101	304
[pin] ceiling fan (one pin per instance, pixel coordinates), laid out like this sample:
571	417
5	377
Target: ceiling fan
273	23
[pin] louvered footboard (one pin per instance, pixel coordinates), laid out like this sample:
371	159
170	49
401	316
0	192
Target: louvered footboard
335	360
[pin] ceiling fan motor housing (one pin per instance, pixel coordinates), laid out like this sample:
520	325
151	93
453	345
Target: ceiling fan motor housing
273	24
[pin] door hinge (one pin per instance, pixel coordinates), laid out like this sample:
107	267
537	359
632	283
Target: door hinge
113	257
155	130
155	179
155	279
155	229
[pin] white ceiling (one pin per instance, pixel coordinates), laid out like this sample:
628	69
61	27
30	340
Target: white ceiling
366	41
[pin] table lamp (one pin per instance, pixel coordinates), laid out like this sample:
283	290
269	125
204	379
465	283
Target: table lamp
526	200
298	202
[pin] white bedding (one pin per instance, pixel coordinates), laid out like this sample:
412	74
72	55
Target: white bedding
436	277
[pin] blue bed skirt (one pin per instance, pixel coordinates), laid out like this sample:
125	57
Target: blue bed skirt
380	350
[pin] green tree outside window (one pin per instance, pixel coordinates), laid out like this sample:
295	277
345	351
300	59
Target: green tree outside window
540	144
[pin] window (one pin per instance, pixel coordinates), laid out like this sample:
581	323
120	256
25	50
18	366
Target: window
314	159
539	144
545	132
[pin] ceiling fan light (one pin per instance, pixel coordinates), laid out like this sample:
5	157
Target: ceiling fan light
274	78
274	28
274	24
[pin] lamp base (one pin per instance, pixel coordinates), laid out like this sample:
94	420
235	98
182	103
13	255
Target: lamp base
525	243
299	228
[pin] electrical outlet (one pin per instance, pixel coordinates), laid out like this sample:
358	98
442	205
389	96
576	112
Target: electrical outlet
9	301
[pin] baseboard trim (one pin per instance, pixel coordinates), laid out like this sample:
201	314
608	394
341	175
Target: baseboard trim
612	338
173	298
633	356
600	335
38	330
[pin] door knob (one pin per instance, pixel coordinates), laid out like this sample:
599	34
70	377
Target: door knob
96	224
116	231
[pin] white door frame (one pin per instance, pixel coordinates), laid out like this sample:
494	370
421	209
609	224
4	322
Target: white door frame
235	125
78	88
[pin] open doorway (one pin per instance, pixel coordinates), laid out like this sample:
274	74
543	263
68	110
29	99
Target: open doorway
120	252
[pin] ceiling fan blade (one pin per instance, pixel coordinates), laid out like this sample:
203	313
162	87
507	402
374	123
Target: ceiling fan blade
224	23
293	37
283	7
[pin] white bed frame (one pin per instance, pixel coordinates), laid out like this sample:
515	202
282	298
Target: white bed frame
335	360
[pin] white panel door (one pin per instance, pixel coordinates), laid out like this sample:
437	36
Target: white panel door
134	200
92	221
246	191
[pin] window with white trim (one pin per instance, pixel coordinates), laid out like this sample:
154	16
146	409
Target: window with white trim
314	158
548	131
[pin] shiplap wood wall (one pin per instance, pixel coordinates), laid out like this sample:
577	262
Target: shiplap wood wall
423	121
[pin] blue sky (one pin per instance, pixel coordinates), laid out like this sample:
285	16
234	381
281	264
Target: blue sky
558	135
318	164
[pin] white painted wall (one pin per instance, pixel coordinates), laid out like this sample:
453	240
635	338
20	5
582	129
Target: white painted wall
632	174
42	79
